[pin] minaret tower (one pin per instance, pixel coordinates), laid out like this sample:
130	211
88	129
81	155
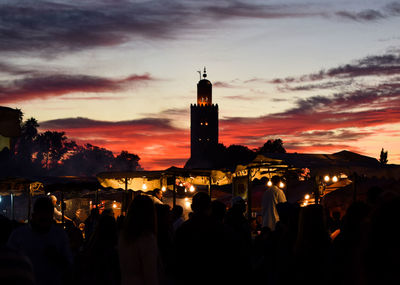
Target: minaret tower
203	122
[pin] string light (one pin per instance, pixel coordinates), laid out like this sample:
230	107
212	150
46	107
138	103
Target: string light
326	178
191	188
164	189
269	183
307	196
335	179
144	186
281	184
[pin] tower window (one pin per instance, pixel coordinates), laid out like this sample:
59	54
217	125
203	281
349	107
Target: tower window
201	123
206	123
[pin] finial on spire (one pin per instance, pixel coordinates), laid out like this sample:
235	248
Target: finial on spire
205	72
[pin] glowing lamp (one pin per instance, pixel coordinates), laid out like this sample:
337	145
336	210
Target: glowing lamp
191	188
335	179
187	204
269	183
186	199
163	189
180	184
114	205
144	186
307	196
326	178
281	184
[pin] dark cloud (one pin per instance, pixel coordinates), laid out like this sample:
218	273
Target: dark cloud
48	28
309	87
393	8
334	135
220	84
13	69
83	123
56	27
241	97
380	96
47	86
384	66
366	15
237	9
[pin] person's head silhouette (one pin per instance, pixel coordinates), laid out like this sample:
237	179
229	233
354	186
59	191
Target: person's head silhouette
201	203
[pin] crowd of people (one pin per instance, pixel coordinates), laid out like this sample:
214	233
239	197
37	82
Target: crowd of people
154	244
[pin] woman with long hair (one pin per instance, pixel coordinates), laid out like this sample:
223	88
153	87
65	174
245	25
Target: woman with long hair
137	245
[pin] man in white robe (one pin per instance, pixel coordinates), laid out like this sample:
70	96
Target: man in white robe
272	196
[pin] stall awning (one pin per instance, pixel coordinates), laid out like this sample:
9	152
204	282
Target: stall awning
19	185
135	180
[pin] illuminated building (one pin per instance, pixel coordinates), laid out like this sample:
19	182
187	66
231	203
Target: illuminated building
9	127
203	125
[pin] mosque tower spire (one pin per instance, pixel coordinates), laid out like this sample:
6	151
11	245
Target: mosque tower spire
203	125
204	91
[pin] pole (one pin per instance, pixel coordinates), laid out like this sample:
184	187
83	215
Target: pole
124	196
12	206
29	202
249	194
62	208
174	193
209	186
316	190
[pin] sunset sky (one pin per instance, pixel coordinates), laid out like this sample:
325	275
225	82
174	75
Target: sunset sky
323	76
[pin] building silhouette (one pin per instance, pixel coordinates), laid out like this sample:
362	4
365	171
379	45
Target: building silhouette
203	126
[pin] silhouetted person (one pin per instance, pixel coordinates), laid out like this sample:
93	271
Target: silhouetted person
45	244
345	255
218	211
99	262
157	196
5	229
177	218
165	238
91	222
382	250
57	213
137	245
241	234
15	267
271	197
201	252
312	245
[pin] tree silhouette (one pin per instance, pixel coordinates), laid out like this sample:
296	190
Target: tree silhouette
126	161
52	148
273	146
383	159
26	143
88	160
